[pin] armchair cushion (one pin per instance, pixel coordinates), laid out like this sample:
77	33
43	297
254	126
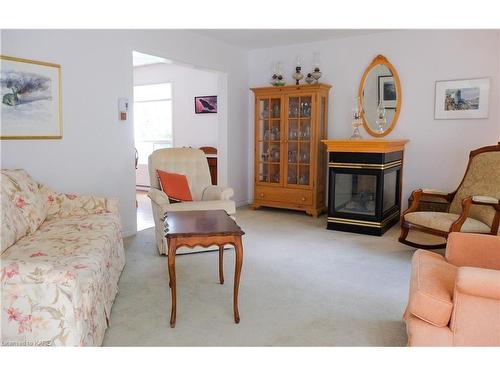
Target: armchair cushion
443	221
174	185
473	250
217	193
431	288
481	282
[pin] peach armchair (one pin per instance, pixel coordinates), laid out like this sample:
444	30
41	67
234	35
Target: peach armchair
455	300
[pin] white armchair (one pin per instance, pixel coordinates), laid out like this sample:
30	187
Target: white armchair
193	164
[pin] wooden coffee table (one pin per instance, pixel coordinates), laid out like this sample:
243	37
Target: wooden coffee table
203	228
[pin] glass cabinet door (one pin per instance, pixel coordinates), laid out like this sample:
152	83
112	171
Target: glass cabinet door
269	140
298	141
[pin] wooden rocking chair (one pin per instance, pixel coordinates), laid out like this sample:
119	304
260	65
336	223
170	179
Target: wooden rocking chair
474	207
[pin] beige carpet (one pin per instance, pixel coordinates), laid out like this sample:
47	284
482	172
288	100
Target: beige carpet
301	285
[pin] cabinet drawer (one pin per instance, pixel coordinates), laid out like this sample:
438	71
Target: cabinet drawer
296	196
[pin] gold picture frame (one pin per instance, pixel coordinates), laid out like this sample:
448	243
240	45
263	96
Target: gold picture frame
43	104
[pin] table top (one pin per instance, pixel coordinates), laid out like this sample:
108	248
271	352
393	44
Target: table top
200	223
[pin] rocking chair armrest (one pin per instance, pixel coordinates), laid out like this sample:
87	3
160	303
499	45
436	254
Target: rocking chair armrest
457	224
485	200
437	194
416	195
433	191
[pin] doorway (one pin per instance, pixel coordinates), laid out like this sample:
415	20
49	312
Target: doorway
165	116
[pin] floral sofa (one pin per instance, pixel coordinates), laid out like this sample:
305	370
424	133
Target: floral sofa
61	258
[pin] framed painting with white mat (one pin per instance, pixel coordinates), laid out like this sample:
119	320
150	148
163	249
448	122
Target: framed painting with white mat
462	99
30	99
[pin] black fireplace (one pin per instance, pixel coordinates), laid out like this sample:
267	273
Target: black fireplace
364	191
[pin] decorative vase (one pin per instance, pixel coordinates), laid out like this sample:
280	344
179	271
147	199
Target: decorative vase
316	74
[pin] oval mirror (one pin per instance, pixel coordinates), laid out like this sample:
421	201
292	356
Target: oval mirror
380	97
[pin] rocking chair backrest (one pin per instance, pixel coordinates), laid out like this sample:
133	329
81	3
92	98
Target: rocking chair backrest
482	177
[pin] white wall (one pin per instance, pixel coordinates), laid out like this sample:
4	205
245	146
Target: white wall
438	150
96	154
189	128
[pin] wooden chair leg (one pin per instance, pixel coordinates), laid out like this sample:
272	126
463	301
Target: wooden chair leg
404	234
221	264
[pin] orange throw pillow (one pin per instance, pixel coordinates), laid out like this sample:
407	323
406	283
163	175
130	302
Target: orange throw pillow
175	186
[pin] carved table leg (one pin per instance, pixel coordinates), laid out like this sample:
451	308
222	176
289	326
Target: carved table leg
171	273
221	264
237	273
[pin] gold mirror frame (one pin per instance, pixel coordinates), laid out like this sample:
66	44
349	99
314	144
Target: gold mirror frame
380	60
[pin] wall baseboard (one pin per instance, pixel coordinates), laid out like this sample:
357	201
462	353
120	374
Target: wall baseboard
130	233
243	203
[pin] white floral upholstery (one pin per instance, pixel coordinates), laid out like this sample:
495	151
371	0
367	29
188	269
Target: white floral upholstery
59	282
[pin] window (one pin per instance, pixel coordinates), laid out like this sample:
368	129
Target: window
152	118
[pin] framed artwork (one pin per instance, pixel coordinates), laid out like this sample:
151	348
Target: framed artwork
30	94
387	92
205	104
462	99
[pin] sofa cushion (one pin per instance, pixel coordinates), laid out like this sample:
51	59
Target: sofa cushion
443	221
431	288
14	224
77	259
24	192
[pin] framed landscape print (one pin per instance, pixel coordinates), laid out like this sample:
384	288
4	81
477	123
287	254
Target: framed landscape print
462	99
205	104
30	94
387	92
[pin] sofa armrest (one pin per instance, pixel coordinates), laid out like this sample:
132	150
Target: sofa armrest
217	193
64	205
480	282
473	250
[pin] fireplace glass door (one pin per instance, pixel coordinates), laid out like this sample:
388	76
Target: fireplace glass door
355	193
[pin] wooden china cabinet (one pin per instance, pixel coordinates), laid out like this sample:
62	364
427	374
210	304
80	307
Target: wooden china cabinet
290	159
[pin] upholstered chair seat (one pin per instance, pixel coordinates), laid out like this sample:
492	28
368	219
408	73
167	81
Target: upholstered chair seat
443	221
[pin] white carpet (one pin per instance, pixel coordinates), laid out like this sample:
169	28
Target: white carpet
301	285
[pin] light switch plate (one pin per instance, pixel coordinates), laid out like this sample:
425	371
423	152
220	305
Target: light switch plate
123	106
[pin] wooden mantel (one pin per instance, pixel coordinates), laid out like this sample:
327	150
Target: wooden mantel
365	145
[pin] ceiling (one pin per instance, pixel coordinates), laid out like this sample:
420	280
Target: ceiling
141	59
264	38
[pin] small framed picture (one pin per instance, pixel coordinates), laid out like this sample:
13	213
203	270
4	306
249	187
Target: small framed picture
387	92
205	104
462	99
